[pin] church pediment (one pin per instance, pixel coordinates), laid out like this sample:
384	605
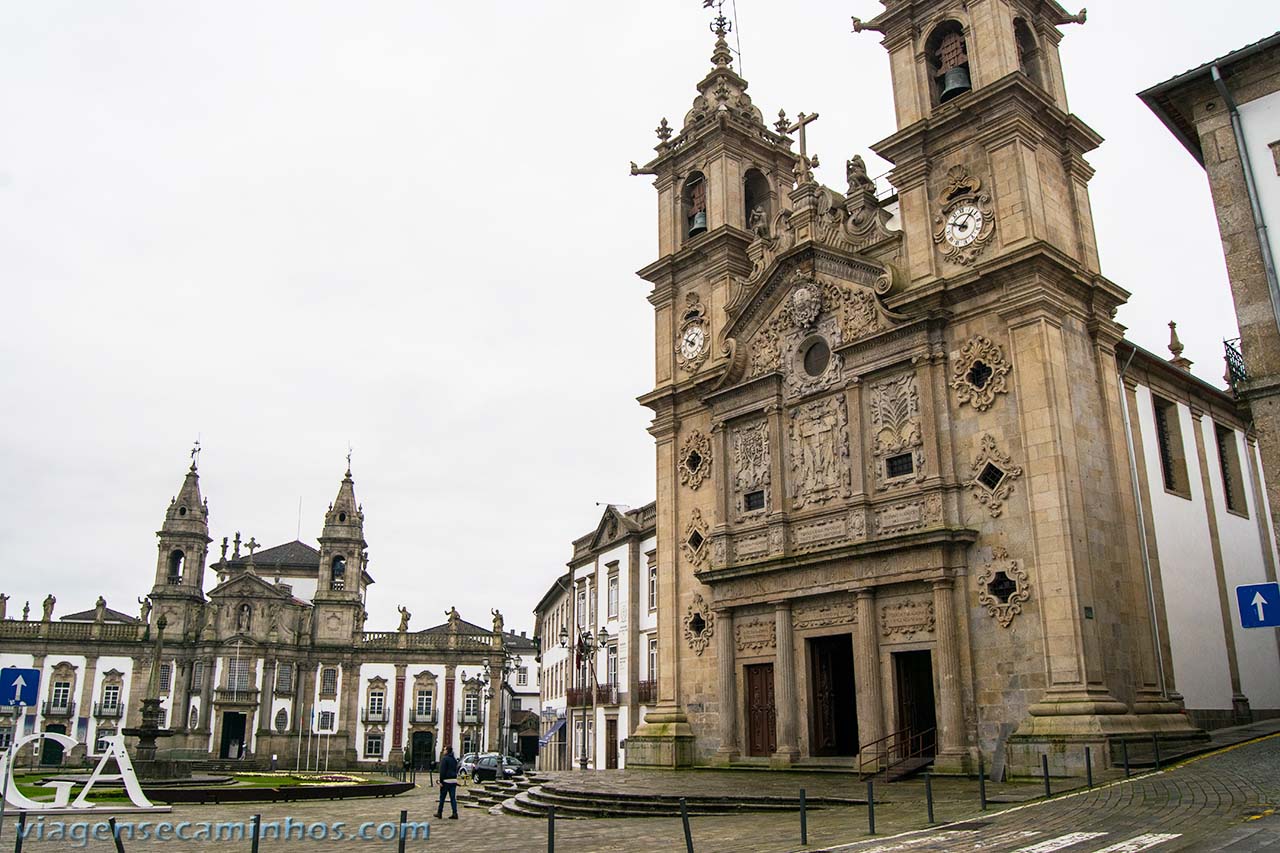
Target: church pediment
613	525
808	295
247	585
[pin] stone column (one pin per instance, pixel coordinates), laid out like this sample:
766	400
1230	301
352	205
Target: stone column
84	706
727	670
397	720
447	705
866	669
784	689
349	701
264	698
951	719
206	694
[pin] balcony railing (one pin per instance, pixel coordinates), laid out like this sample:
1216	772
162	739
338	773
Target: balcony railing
284	689
577	697
174	580
647	692
468	717
1237	372
370	715
106	709
8	710
54	708
424	716
606	694
235	696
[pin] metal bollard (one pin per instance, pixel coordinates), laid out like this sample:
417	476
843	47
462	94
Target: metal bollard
804	820
551	829
1155	747
1044	768
982	783
871	807
22	830
115	835
684	818
928	796
1124	753
257	831
1088	767
404	818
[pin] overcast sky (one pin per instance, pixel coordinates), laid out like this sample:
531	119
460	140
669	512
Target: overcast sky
287	226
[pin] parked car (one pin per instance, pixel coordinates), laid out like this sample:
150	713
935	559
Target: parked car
468	763
513	765
487	768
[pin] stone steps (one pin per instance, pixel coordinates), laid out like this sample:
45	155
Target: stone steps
569	803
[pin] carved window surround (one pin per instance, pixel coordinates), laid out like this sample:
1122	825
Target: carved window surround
695	459
993	476
697	534
699	624
979	371
896	429
1003	587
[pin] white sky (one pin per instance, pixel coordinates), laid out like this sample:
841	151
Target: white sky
409	225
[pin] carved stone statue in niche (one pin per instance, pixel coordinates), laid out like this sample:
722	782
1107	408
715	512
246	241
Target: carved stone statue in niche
895	424
751	466
819	452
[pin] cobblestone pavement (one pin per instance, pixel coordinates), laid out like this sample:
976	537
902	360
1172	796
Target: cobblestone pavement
1204	804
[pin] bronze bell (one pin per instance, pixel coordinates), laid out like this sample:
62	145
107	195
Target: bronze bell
698	223
955	82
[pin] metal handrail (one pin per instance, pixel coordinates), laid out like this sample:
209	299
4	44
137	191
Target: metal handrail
898	747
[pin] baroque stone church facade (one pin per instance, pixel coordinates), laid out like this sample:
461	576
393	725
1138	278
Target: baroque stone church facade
274	660
901	466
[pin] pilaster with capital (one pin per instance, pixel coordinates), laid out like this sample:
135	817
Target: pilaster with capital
784	689
866	668
727	674
951	728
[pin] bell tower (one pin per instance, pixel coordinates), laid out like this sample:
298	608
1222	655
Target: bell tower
344	557
183	545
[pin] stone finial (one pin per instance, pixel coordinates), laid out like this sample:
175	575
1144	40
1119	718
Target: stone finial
1175	347
721	57
663	130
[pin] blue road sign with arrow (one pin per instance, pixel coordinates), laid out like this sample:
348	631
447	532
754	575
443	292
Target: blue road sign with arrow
1259	605
19	686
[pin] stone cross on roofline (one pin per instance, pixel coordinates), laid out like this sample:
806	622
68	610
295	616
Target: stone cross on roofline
806	164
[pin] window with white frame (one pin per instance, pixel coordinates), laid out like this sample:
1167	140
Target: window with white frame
471	704
613	596
653	658
284	677
197	674
329	681
522	676
373	745
326	721
166	676
101	745
423	701
61	696
611	667
653	587
582	606
515	703
238	674
377	701
6	737
110	697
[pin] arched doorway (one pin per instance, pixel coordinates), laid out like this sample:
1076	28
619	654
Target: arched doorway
51	750
423	748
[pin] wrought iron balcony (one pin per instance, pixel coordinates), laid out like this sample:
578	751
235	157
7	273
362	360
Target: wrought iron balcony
606	694
54	708
1237	373
8	710
468	717
107	709
424	716
371	715
577	697
647	692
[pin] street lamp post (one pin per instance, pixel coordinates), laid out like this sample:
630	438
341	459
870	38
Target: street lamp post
497	680
585	647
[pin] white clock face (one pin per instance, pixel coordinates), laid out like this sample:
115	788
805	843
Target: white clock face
964	225
691	342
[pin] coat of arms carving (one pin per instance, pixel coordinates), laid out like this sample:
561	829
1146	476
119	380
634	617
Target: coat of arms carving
819	452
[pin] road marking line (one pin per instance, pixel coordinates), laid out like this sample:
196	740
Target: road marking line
1005	838
1060	842
920	841
948	837
1142	842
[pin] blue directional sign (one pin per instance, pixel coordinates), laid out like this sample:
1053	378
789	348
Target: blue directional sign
1259	605
19	686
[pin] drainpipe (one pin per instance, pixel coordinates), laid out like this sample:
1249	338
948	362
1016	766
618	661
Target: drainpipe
1268	262
1142	526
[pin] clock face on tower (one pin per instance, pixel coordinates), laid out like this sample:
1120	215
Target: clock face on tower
692	342
964	224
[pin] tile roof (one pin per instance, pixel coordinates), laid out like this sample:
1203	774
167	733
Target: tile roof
289	554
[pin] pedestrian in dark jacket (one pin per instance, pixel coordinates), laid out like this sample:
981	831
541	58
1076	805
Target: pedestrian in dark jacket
448	783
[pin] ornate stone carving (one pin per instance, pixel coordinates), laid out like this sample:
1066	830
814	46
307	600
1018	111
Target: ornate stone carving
907	618
699	624
720	550
814	534
819	452
751	545
750	465
979	372
908	515
806	302
1003	587
695	542
824	612
777	539
963	195
895	423
993	476
756	635
695	459
857	526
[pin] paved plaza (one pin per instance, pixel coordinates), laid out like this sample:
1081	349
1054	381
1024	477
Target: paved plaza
1220	801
